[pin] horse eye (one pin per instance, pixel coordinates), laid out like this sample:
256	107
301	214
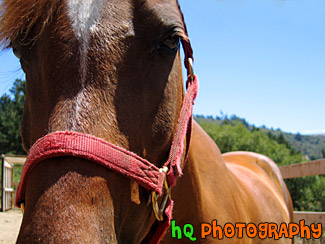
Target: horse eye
172	42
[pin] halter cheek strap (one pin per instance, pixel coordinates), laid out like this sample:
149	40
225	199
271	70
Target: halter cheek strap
122	161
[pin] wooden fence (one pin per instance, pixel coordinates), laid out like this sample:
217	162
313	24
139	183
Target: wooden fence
316	167
7	180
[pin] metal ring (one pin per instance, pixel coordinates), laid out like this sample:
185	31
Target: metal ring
159	210
190	68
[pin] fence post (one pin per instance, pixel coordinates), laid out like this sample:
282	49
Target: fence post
2	183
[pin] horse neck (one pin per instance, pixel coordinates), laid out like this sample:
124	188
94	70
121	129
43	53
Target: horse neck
189	194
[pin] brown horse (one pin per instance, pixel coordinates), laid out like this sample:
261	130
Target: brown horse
112	69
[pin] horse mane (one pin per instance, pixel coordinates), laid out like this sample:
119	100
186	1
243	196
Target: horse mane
18	19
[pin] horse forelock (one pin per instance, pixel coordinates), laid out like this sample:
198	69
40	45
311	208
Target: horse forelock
19	17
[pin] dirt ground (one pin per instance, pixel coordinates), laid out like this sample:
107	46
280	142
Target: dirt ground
9	226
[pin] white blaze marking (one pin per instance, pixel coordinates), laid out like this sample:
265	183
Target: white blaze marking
84	16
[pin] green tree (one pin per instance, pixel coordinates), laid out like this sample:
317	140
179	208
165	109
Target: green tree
307	193
11	111
298	137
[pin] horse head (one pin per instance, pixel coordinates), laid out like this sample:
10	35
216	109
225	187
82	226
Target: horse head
110	69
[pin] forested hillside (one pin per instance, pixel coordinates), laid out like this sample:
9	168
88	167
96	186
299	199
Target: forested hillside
311	146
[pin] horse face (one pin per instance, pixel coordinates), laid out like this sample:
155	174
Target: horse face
110	69
107	68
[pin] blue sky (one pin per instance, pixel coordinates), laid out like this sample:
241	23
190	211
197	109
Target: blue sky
263	60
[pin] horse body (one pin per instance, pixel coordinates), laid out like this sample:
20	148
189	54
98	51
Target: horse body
112	69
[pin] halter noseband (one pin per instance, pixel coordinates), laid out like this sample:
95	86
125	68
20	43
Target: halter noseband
157	180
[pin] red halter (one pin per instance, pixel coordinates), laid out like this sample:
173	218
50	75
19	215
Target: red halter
122	161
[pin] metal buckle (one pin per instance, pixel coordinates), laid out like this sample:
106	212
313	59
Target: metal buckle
190	68
159	211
